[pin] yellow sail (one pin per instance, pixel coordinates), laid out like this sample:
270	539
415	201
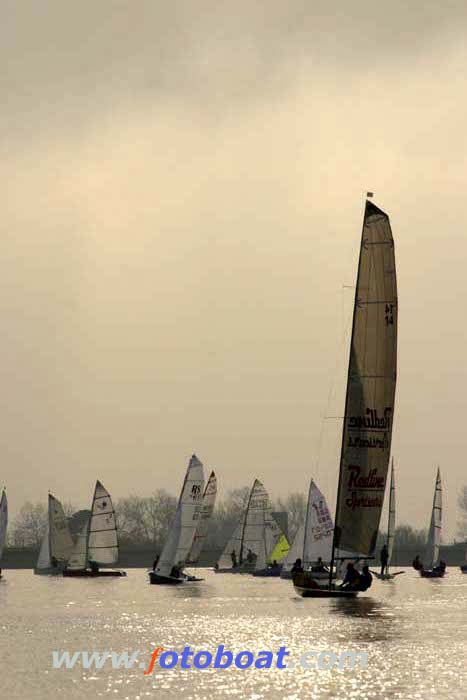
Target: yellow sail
280	550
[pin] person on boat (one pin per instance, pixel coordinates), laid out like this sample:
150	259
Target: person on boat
251	557
384	557
365	579
273	564
319	566
297	568
441	568
233	556
175	572
417	564
94	568
352	577
156	561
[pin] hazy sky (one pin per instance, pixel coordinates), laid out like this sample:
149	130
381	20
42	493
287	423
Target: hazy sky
183	187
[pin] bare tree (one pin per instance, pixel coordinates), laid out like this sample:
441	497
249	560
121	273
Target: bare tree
146	520
295	506
29	526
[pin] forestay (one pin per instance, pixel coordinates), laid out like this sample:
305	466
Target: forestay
369	406
209	500
180	538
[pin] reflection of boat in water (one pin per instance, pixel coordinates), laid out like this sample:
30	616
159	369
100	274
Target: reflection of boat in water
169	567
369	406
3	523
434	569
97	542
255	539
57	542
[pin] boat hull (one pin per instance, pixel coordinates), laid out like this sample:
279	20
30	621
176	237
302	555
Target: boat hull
158	580
317	575
48	572
431	574
80	573
463	568
307	587
267	573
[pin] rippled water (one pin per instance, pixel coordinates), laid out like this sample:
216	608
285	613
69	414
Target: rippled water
414	631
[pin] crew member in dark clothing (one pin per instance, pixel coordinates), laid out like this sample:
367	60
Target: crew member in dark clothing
297	568
351	577
365	579
233	556
384	556
93	566
417	564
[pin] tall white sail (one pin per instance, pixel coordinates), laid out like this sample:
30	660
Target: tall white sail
209	500
392	514
296	550
260	531
434	535
371	383
233	545
78	555
61	542
43	560
180	538
102	538
3	521
319	528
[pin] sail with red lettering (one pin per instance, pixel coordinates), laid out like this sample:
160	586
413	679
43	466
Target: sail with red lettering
371	384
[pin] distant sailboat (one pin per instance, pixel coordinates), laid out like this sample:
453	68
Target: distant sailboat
209	501
369	404
57	542
386	576
169	566
433	570
3	523
254	538
97	543
313	540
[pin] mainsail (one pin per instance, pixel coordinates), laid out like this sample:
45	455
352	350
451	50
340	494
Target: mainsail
57	542
371	383
3	521
392	514
318	531
102	545
209	500
180	538
434	535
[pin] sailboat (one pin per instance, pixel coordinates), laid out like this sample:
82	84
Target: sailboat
433	570
3	523
386	576
369	405
57	542
97	542
254	538
209	501
169	566
313	540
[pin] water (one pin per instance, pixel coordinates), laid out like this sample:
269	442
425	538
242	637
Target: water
414	631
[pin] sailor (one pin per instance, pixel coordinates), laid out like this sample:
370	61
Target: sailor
297	568
384	557
319	566
54	562
417	564
93	566
352	577
365	579
233	556
250	557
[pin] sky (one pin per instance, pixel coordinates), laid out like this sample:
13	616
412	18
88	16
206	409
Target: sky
183	189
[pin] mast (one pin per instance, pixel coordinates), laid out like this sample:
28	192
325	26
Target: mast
339	483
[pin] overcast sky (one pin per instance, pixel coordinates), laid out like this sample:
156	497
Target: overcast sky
183	187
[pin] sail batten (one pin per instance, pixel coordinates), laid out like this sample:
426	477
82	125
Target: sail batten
371	382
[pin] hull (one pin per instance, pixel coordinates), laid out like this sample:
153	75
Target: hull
86	573
307	587
431	574
158	580
267	573
317	575
237	570
53	571
463	568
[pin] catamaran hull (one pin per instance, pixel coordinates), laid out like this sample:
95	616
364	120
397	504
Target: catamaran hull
431	574
91	574
159	580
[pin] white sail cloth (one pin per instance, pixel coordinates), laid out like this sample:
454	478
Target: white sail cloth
209	500
434	534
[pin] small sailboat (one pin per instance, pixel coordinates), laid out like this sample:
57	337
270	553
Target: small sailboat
3	523
387	576
275	560
313	541
169	566
369	406
434	569
254	538
57	542
209	501
97	542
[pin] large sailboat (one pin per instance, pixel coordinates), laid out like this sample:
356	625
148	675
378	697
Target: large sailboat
209	501
97	543
169	567
254	538
369	405
3	523
57	542
433	569
313	541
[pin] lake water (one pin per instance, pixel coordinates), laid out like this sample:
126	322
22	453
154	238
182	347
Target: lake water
414	631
